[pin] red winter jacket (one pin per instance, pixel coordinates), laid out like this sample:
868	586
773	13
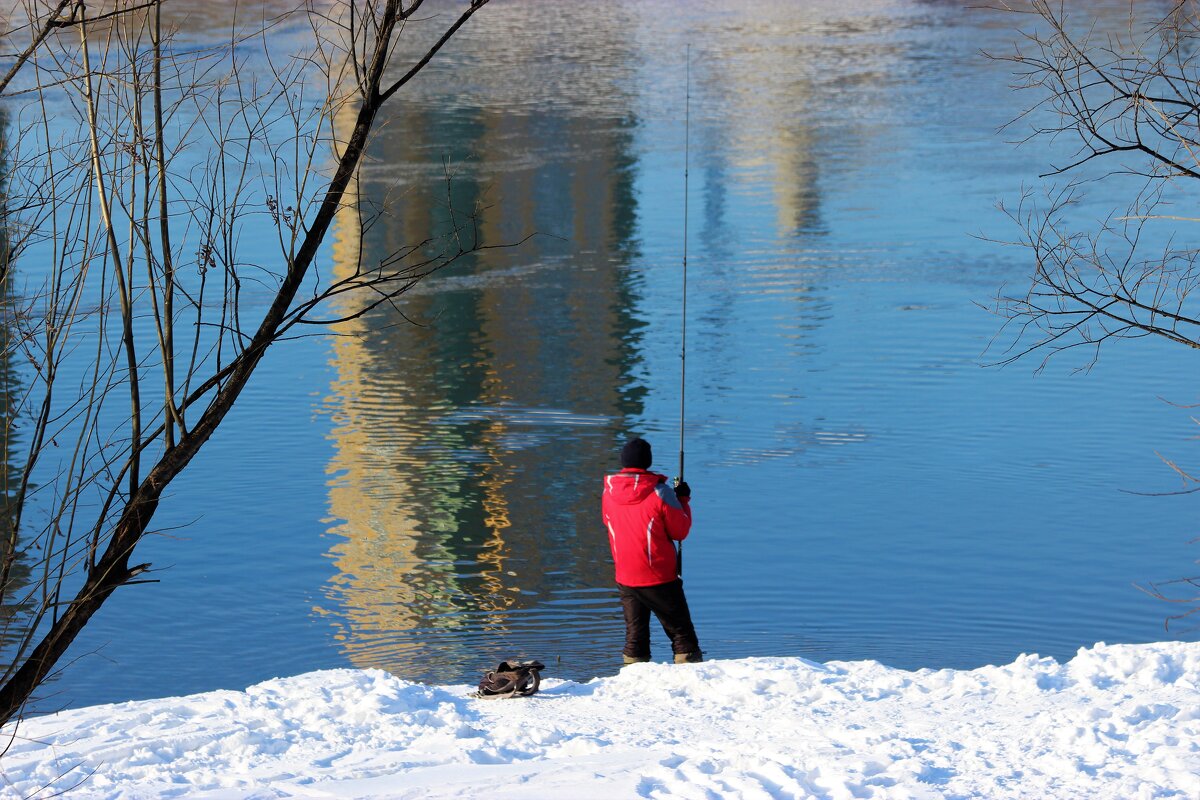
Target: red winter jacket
643	516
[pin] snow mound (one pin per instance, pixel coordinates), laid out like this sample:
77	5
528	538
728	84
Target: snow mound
1119	721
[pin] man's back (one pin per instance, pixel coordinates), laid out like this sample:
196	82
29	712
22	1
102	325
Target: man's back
644	517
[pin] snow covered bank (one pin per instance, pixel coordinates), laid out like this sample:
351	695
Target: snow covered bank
1118	721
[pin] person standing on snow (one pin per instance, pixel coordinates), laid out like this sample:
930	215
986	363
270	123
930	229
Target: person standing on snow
645	517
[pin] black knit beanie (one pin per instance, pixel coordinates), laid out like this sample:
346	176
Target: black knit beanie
636	454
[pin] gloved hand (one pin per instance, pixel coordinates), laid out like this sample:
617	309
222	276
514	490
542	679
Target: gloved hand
683	490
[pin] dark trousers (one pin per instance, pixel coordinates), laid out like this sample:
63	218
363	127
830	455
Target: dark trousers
669	604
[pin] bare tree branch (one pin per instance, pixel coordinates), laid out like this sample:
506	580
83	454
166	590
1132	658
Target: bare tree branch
1131	99
189	151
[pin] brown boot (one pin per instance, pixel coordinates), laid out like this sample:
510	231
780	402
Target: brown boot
689	658
627	660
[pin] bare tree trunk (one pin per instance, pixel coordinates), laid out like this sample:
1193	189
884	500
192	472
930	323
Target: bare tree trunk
211	384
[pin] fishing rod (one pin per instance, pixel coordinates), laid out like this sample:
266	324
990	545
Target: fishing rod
687	114
687	120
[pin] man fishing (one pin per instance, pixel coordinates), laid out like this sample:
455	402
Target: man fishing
645	517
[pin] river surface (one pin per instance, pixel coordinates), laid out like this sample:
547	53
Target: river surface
420	492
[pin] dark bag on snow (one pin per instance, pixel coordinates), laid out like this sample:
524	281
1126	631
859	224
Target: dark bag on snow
511	679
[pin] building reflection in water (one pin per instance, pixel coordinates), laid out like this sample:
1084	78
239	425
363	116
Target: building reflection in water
454	484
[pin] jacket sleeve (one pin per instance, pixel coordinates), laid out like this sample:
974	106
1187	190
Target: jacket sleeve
676	511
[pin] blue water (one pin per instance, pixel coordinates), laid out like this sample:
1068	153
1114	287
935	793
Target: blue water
866	486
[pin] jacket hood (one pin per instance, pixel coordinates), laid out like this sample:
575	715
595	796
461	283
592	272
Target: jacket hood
632	485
